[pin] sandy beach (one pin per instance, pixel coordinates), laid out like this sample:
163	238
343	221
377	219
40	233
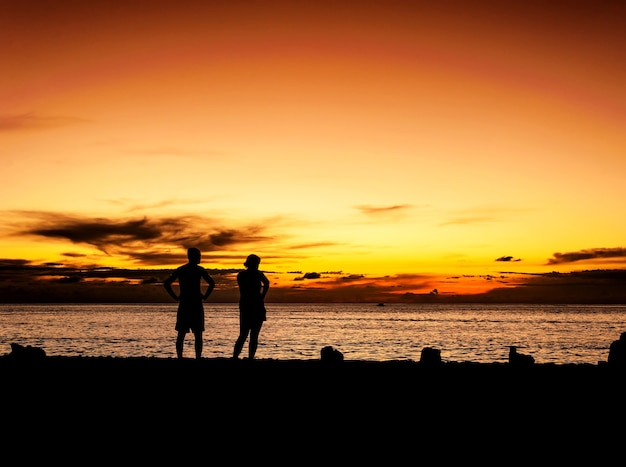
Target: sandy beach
387	408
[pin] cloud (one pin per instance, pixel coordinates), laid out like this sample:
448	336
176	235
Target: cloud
99	231
308	275
71	254
590	286
466	220
480	215
378	210
132	206
153	240
146	240
507	258
22	281
13	263
30	121
352	278
312	245
232	237
586	255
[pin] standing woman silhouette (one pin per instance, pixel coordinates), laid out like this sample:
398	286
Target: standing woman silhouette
253	286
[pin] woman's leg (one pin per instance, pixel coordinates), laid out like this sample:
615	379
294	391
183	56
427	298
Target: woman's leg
254	340
241	339
198	344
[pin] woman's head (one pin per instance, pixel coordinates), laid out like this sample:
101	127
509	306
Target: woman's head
252	261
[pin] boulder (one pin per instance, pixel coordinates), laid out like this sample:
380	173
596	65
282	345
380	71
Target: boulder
430	356
28	352
617	352
330	354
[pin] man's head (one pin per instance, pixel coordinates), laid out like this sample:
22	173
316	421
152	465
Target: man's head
194	255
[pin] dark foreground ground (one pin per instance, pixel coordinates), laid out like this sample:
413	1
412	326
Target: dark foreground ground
309	411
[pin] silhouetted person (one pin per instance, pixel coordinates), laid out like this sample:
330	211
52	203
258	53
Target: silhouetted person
253	286
190	315
617	352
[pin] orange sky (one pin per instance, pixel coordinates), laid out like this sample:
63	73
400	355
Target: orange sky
413	146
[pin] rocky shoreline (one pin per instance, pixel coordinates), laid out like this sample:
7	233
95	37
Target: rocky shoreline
312	404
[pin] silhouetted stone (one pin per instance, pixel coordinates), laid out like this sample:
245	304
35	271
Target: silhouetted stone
617	352
430	356
26	352
519	359
330	354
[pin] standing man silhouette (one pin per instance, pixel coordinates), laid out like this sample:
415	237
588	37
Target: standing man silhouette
253	286
190	315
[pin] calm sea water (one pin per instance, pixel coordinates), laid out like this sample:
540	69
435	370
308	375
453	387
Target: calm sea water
463	332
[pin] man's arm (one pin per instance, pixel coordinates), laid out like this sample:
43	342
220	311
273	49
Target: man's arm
168	285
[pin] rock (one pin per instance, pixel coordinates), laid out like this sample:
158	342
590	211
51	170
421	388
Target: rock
617	352
330	354
430	356
26	352
519	359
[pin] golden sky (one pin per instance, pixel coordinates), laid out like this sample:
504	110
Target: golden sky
446	145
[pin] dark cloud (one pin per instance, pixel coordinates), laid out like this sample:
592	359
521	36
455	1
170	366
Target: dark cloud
13	263
507	258
71	254
150	241
225	237
309	275
352	277
21	281
586	255
31	121
99	232
70	280
593	286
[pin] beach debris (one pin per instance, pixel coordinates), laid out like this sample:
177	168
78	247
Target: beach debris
519	359
26	352
330	354
430	356
617	352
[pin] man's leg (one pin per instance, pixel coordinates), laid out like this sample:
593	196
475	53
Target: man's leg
180	343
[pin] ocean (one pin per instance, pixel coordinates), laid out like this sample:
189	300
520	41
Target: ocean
560	334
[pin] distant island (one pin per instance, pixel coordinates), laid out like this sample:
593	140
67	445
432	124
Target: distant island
47	284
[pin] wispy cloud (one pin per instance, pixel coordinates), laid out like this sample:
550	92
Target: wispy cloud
33	122
507	259
479	215
130	205
145	240
588	255
382	210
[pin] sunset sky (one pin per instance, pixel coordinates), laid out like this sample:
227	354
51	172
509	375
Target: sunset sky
394	145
